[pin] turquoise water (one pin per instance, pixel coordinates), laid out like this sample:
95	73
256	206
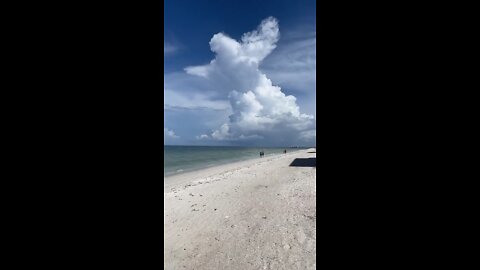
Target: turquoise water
178	159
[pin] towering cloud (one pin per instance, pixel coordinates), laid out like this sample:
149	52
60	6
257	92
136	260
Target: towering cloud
260	109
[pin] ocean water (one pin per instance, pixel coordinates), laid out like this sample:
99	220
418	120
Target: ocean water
179	159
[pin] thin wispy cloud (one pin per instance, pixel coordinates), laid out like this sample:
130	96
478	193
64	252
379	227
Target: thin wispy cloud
189	92
169	48
294	65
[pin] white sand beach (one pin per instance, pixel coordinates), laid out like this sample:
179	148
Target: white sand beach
255	214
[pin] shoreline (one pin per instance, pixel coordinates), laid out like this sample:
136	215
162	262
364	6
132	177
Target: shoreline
183	177
241	159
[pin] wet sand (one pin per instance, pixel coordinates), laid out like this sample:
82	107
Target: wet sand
255	214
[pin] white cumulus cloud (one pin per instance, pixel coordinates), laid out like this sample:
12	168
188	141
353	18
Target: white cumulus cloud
169	133
203	136
259	108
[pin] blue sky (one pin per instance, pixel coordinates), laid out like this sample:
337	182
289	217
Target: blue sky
240	72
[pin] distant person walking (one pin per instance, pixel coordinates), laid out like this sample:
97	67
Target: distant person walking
285	151
261	153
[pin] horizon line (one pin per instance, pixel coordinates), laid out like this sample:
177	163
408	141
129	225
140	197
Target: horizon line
294	146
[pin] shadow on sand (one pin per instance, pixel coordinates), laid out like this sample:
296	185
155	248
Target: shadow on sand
304	162
312	152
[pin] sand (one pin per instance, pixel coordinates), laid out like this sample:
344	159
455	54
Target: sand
256	214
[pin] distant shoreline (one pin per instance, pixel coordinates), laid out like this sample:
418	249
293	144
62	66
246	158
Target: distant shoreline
226	161
186	176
